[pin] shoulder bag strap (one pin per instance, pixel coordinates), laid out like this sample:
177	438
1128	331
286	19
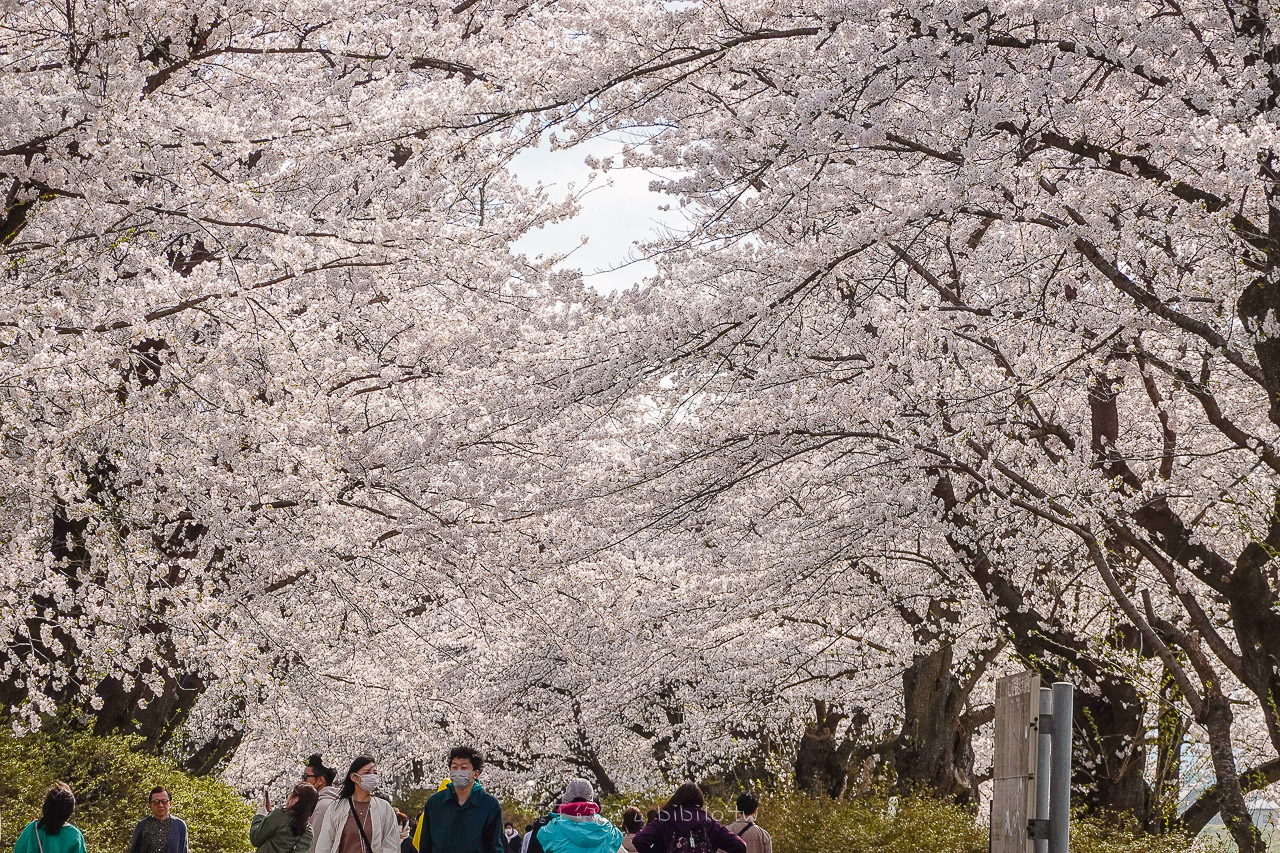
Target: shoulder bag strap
359	826
39	843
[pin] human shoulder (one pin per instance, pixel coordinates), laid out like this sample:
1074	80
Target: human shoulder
483	797
439	797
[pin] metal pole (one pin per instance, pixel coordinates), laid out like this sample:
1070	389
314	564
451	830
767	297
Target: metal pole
1043	740
1060	770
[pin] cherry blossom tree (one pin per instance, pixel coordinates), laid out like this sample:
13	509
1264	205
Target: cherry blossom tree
1022	253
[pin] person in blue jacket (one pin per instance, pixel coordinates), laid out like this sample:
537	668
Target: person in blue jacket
161	832
577	826
462	817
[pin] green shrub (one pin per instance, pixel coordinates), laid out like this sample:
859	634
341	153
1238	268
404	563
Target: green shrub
111	780
804	824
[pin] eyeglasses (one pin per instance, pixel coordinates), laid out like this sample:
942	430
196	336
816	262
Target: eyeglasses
307	777
159	802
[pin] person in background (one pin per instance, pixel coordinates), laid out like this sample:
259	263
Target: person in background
161	832
319	777
359	822
683	826
755	837
632	822
575	789
511	842
51	833
524	837
462	817
286	830
406	842
577	826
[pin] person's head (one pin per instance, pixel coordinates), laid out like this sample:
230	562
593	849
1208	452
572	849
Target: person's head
363	772
302	802
578	791
465	765
59	803
315	774
160	802
508	825
528	827
687	796
403	819
651	815
632	820
747	804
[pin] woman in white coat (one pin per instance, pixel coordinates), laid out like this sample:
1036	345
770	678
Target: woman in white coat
359	822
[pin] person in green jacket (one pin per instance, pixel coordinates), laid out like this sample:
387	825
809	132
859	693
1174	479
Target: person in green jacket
462	817
51	833
286	830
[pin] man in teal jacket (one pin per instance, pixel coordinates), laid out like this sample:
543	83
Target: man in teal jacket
462	817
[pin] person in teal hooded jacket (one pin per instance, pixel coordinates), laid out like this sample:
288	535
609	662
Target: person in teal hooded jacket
462	817
577	826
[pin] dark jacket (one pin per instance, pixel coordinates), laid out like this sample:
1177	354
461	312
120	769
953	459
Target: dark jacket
535	846
177	835
273	833
681	820
473	827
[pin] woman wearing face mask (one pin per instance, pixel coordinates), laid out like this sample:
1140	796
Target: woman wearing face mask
359	822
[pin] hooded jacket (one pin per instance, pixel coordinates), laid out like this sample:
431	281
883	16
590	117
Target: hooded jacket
449	827
327	797
564	834
682	820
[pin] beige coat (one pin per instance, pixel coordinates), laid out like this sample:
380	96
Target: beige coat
756	839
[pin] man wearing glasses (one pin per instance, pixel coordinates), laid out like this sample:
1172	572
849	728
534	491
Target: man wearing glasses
161	832
319	777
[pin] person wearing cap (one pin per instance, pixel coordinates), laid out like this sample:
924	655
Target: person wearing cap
462	817
576	826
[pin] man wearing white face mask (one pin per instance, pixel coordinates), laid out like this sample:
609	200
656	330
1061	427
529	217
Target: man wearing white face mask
461	817
359	822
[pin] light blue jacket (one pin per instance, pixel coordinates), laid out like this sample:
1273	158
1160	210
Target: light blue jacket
592	835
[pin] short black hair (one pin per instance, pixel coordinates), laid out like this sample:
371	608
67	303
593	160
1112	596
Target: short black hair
510	824
316	763
466	753
159	789
747	803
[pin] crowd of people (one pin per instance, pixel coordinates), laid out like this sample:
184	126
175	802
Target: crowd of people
322	815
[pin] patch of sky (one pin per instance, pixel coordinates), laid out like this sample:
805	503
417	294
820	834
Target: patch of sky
618	209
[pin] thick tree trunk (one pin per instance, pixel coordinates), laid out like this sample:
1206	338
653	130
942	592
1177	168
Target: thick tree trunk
934	751
822	763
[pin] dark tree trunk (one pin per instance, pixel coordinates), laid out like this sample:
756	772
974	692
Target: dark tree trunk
934	751
822	762
1108	718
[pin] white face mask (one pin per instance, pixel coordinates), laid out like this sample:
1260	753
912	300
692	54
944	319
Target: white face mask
369	782
460	778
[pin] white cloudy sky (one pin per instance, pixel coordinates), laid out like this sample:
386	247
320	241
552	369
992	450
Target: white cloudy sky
615	215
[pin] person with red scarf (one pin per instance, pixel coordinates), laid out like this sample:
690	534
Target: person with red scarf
575	826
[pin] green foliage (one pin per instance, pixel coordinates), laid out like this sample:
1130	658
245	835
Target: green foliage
804	824
111	780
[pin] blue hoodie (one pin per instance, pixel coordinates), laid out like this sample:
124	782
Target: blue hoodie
566	835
